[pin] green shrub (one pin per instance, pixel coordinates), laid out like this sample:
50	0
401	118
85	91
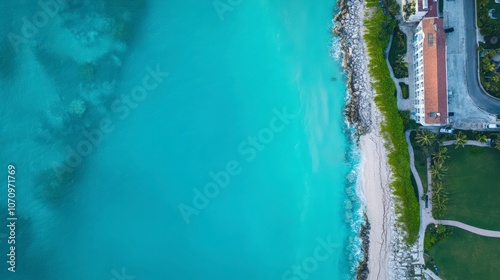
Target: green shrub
434	234
409	9
405	90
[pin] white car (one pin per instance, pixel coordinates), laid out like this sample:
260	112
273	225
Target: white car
446	130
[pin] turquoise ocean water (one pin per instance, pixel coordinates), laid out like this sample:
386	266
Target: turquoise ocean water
176	139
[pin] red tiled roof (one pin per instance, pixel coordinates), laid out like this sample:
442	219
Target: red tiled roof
434	53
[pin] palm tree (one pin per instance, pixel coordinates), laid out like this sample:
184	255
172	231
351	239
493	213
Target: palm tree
425	138
482	138
461	139
439	205
437	187
439	199
438	190
497	144
440	156
438	171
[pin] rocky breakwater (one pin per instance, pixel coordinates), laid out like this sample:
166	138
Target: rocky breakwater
349	29
349	26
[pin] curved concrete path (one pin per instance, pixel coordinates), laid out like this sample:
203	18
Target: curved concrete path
478	231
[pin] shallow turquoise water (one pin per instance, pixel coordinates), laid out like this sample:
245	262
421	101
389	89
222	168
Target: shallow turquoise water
234	165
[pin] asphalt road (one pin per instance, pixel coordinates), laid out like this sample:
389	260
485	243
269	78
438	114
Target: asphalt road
477	94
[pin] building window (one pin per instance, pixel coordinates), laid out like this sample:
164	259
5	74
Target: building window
430	39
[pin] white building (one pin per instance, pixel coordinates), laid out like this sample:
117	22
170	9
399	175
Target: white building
429	61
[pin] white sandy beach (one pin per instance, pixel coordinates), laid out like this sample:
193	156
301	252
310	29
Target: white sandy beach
375	184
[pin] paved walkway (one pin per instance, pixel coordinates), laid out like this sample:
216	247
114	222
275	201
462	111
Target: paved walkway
478	231
431	274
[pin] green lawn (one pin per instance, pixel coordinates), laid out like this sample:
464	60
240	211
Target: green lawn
420	162
466	256
473	185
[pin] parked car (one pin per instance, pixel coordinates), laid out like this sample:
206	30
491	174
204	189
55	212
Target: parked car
446	130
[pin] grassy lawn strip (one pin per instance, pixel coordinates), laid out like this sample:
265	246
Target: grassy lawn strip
397	53
379	27
420	160
465	255
473	185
